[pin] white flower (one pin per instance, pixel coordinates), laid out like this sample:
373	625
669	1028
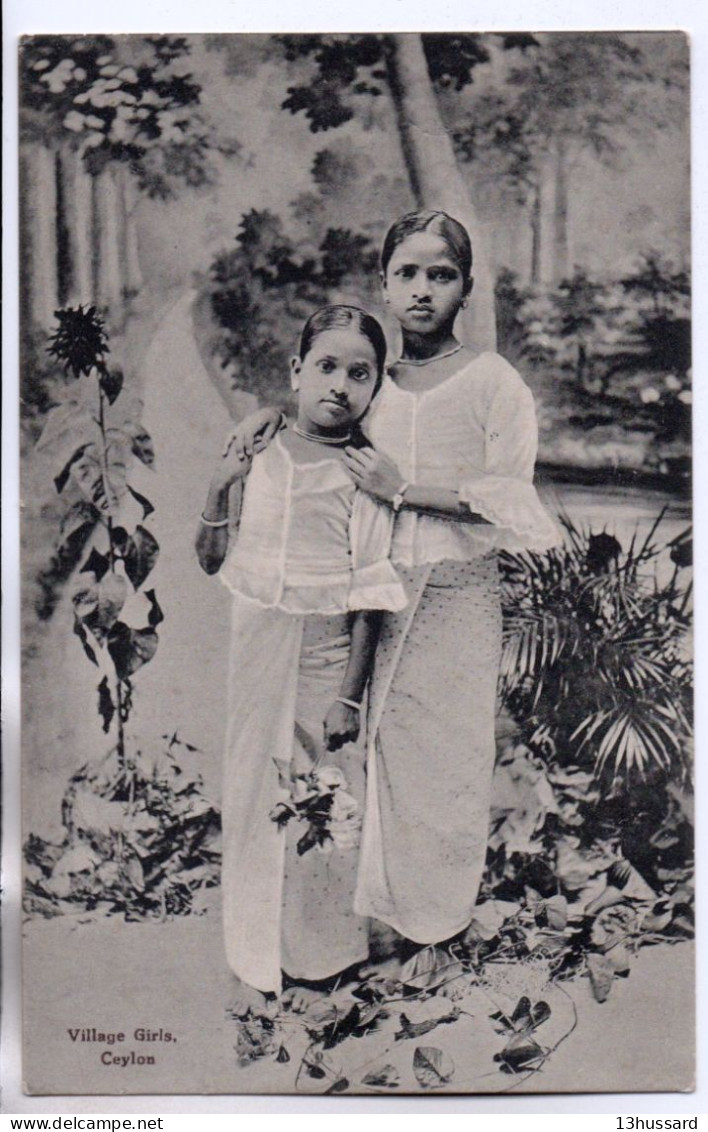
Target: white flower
344	806
685	397
128	75
330	777
649	395
672	382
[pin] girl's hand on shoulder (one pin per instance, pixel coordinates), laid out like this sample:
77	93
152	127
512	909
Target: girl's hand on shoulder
231	467
373	472
341	726
253	433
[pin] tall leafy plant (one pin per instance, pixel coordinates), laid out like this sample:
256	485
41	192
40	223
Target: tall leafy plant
94	443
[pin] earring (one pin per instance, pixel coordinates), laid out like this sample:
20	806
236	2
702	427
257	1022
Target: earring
463	304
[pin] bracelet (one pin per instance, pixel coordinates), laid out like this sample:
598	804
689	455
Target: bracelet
348	703
214	522
399	497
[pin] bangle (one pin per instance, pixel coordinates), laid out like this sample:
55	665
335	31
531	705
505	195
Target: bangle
399	497
213	522
348	703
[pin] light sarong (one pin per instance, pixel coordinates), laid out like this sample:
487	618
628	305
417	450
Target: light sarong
283	911
431	754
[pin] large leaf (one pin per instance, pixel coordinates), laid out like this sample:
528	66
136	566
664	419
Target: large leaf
61	480
105	488
67	427
139	552
130	648
80	517
97	564
98	604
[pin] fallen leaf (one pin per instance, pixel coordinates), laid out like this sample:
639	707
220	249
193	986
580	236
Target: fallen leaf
432	1067
417	1029
556	913
519	1053
601	975
619	960
384	1077
429	968
338	1086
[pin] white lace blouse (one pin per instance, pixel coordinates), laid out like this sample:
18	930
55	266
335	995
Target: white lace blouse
309	541
474	433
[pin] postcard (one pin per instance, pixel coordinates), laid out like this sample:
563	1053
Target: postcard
356	563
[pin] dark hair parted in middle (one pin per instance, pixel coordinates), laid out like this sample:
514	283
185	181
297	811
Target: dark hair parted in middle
440	224
340	318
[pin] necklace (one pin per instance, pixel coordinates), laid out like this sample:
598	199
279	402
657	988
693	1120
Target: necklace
427	361
334	440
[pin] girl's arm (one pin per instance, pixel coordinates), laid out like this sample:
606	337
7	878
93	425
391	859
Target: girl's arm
343	722
376	474
213	534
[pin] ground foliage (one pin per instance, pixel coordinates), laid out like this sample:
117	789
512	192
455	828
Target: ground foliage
142	840
584	868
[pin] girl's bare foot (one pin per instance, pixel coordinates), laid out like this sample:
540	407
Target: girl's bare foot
246	999
388	968
299	998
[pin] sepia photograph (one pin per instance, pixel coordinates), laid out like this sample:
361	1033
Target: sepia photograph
356	560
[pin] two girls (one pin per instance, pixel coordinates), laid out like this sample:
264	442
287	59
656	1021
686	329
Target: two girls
453	443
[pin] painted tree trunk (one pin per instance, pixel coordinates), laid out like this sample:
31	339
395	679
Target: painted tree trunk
38	235
82	228
73	229
561	262
130	259
108	279
435	176
536	235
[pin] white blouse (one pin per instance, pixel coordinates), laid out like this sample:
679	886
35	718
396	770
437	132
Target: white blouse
309	542
474	433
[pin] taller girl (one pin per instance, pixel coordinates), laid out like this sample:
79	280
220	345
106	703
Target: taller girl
454	443
453	448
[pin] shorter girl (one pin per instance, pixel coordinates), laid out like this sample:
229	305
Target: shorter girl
308	570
